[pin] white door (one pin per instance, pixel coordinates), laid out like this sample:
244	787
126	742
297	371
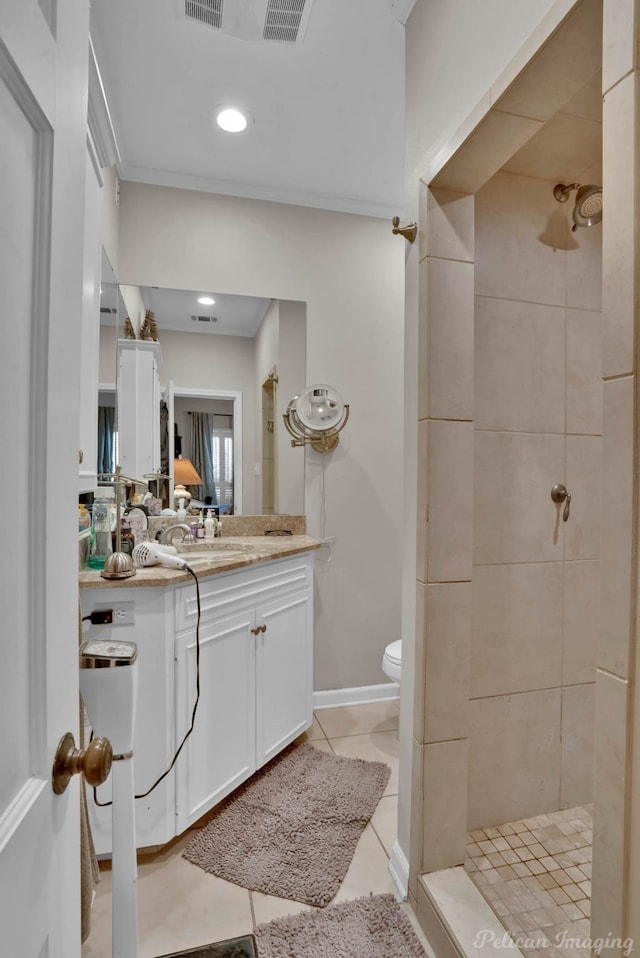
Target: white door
43	104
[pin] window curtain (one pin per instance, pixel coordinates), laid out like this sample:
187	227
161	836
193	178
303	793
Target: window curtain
202	455
106	430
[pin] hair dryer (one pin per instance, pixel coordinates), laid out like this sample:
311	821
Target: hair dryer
154	553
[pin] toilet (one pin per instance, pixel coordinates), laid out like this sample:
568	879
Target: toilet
392	661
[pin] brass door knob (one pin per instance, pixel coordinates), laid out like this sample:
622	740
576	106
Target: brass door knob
94	762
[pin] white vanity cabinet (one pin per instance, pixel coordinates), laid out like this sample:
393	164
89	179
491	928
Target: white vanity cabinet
255	677
256	661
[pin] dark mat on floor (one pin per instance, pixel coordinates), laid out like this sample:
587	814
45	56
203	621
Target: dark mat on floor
244	947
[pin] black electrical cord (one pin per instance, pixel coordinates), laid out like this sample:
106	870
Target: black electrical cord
193	713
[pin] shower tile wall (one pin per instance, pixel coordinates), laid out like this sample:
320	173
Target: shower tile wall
535	580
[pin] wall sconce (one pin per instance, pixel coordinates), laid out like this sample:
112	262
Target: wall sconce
184	474
316	417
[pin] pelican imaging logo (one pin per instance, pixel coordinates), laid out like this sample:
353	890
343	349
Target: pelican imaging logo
486	939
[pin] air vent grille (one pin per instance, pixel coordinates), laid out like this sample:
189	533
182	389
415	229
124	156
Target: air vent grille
282	20
205	11
109	310
204	319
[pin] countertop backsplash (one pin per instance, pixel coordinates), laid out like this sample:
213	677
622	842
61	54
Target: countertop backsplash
241	525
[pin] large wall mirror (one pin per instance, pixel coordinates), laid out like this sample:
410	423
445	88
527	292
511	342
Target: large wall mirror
228	367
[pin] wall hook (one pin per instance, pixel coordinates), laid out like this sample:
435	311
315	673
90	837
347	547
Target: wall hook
409	232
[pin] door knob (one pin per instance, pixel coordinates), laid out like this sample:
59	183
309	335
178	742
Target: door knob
559	494
94	762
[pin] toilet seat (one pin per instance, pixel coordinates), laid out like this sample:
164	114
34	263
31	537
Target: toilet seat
392	661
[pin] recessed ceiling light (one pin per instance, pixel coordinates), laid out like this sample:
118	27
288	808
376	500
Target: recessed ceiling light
231	120
206	301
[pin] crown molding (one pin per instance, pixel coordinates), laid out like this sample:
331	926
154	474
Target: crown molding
101	131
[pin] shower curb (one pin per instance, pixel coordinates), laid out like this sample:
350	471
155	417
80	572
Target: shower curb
457	920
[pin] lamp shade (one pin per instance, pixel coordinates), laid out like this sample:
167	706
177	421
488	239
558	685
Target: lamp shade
184	474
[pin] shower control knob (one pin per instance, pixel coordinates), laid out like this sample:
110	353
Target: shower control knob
94	762
559	494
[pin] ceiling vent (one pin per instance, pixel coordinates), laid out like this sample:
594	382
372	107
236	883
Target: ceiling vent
204	319
205	11
283	19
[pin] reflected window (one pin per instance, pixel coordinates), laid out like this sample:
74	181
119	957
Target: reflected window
222	454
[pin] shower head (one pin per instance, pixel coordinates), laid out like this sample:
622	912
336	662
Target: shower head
588	206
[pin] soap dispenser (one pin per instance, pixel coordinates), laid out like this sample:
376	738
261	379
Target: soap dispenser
181	514
209	526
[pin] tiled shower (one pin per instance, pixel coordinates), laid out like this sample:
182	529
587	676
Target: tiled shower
535	578
513	737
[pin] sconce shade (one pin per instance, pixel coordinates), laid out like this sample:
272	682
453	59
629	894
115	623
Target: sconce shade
184	474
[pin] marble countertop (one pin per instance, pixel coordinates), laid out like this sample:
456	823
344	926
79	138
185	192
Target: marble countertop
253	550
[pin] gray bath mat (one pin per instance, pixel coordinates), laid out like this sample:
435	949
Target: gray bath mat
292	829
374	927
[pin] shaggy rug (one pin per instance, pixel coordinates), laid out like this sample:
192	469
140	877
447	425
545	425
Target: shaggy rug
292	829
374	927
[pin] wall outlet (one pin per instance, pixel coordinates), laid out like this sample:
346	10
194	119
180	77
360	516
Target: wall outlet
123	613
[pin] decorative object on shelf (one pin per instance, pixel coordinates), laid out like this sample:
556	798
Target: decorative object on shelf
149	330
129	331
316	417
184	475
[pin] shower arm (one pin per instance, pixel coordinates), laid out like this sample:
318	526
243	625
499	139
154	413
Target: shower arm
562	192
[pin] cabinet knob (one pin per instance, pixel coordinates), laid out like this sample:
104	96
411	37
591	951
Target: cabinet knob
258	629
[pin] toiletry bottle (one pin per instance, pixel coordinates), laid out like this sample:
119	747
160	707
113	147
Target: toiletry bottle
209	527
201	530
181	514
102	526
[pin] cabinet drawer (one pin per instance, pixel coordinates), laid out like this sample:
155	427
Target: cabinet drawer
230	592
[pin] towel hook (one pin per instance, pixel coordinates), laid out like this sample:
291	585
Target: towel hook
409	232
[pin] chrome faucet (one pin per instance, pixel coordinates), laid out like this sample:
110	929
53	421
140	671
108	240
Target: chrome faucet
166	536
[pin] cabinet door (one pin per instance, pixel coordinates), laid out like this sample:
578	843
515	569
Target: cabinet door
220	752
284	673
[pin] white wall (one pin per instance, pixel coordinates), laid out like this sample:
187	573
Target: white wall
349	271
455	50
110	216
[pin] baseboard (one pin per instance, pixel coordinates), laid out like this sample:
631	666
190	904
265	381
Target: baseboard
399	870
334	698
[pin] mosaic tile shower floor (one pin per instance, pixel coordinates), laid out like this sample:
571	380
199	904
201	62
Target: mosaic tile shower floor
536	876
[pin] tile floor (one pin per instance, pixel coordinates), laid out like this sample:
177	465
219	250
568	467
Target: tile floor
180	906
536	875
